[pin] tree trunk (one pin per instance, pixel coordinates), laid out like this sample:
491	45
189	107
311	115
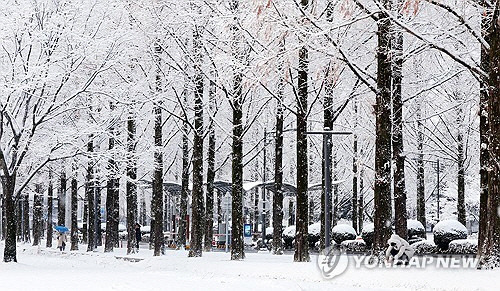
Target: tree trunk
400	212
335	192
382	191
26	218
90	195
490	257
50	206
209	214
354	203
198	209
237	252
37	214
360	203
302	223
61	207
461	179
483	134
181	238
157	200
9	253
278	168
74	212
420	169
131	183
112	195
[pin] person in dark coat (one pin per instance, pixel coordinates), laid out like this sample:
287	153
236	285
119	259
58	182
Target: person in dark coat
137	235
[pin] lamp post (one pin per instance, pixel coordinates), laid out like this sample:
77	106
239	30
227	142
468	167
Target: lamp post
327	149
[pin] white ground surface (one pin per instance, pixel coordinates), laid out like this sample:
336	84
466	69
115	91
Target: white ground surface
49	269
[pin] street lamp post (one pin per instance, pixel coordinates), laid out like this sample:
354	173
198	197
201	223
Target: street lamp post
327	144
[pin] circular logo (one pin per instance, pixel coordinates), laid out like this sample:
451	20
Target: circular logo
332	263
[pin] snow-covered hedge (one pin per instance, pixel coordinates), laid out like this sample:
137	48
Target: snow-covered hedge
415	228
414	240
425	247
353	246
313	237
448	230
289	236
463	247
343	232
367	234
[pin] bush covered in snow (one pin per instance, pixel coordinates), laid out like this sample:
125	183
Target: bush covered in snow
313	237
367	234
289	237
448	230
463	247
414	240
415	229
343	232
425	247
353	246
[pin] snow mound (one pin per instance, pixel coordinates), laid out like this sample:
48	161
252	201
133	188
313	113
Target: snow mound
289	231
415	228
425	247
370	227
463	247
448	230
343	232
353	246
269	231
367	234
315	228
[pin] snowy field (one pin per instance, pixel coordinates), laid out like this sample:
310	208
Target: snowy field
48	269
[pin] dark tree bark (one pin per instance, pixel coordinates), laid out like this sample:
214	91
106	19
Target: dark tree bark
360	203
420	169
382	191
8	184
50	206
460	178
209	209
237	252
26	218
97	191
37	214
112	194
291	213
302	223
400	212
157	200
131	183
354	202
483	133
61	207
181	238
85	216
490	256
90	194
74	212
198	209
335	190
278	166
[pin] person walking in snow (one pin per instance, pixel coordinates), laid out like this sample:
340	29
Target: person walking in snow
399	250
137	235
61	241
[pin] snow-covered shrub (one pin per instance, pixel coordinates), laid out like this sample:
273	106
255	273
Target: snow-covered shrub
415	229
425	247
463	247
353	246
289	237
367	234
343	232
269	233
313	237
415	240
448	230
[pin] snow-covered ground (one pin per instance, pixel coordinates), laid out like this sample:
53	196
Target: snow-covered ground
42	269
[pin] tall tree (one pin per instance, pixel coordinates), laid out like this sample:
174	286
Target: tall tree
382	191
237	246
278	163
157	200
196	245
90	194
50	206
131	182
209	209
490	256
420	167
302	222
74	211
112	191
37	214
61	207
396	45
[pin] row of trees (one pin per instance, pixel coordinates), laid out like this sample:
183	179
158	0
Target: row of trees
116	94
